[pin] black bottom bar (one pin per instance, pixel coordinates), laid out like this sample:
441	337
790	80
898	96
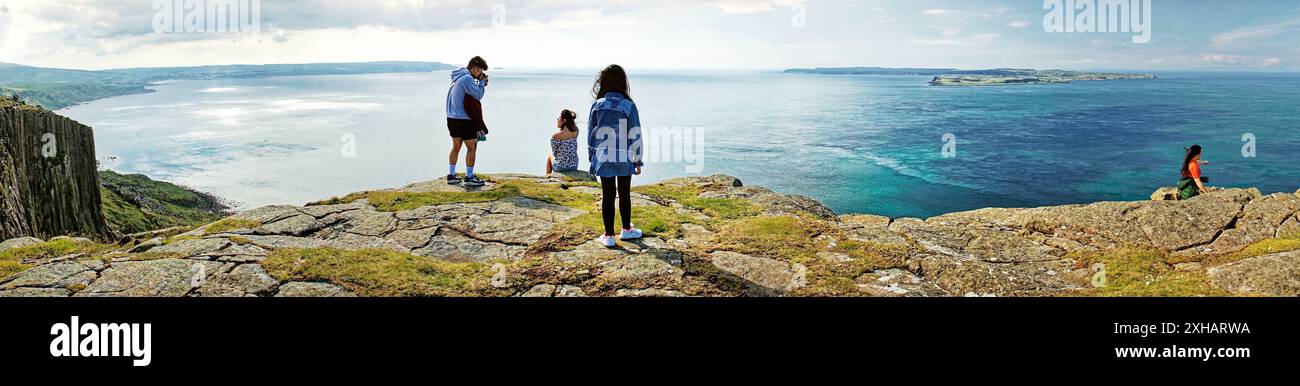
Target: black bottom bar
466	335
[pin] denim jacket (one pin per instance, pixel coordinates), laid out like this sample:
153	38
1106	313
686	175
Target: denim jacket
614	144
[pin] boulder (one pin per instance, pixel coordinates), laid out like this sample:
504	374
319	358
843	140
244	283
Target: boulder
762	276
293	226
1289	228
1168	193
713	182
75	240
1271	275
147	245
19	243
243	280
568	291
539	291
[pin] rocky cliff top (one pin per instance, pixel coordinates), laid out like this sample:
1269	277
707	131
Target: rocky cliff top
706	236
9	101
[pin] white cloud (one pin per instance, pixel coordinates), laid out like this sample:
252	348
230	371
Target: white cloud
1018	24
1246	37
1272	62
935	11
744	7
963	41
1220	58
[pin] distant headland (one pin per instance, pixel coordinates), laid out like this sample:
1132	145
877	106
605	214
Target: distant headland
55	89
991	77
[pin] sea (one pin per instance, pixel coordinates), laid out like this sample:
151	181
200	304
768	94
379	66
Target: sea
886	145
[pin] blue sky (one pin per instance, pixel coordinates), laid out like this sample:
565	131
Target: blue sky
667	34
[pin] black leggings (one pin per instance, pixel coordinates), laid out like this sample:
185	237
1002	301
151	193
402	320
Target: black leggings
623	190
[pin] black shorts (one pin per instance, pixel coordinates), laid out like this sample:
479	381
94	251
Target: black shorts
462	128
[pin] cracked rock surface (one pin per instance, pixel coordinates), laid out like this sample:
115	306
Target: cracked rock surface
998	252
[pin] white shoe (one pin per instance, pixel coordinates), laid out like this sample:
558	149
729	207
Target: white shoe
608	241
631	234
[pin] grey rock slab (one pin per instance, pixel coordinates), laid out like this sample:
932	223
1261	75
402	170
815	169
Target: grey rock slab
156	278
313	290
1271	275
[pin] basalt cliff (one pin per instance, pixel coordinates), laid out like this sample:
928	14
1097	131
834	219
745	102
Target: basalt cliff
48	180
532	236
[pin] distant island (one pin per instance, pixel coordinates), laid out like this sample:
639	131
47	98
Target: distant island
991	77
55	89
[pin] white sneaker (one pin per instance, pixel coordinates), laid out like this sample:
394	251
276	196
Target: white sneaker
608	241
631	234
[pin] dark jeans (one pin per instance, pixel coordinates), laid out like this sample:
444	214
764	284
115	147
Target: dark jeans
620	187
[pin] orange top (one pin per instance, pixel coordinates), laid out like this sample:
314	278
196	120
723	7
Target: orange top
1193	170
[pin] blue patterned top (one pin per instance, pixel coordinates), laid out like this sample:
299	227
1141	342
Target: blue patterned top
565	152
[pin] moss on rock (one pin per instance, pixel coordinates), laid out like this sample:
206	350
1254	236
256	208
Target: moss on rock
12	262
1142	272
380	273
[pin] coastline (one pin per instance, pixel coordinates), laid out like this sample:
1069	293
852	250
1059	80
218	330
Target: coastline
532	236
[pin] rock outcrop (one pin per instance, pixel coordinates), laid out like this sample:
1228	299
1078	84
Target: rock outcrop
533	236
48	180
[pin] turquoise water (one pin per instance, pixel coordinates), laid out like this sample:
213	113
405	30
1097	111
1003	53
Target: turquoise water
860	144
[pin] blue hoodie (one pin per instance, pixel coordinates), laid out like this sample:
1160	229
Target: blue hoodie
462	84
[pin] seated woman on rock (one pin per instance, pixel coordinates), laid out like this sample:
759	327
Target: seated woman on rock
564	144
1192	184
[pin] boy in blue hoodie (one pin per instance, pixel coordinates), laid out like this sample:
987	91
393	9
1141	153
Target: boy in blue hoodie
466	83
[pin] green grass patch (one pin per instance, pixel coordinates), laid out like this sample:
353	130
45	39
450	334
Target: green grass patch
135	203
788	238
380	273
554	194
655	221
1139	272
227	225
1270	246
11	261
835	277
151	256
9	268
725	208
348	199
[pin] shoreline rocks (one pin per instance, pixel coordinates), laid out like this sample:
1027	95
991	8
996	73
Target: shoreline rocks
536	246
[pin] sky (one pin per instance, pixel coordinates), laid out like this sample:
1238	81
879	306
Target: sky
658	34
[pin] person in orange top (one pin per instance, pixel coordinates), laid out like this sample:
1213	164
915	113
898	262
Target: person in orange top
1192	184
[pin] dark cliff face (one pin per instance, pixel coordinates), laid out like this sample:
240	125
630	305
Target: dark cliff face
48	180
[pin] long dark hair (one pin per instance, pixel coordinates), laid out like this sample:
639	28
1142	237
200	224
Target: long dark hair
611	79
570	119
1192	152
